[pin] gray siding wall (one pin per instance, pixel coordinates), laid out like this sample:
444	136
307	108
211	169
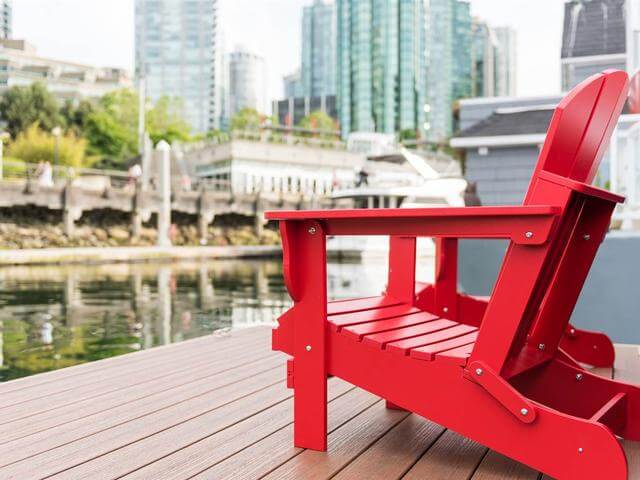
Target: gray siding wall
502	176
573	74
610	300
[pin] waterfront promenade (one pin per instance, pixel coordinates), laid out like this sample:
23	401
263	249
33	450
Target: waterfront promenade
217	407
96	255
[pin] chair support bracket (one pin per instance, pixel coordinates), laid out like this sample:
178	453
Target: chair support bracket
501	391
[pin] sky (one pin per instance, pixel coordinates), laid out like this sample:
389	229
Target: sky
100	32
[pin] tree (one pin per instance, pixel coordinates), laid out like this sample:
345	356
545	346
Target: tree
319	120
246	119
21	107
112	128
76	115
35	145
164	121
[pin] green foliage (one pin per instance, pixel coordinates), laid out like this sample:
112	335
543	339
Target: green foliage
246	119
111	129
34	145
319	120
109	125
164	121
76	115
21	107
408	134
14	168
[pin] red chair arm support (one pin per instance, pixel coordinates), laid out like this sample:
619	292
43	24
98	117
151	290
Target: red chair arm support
530	225
582	188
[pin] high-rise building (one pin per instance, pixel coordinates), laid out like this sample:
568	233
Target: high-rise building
318	71
462	58
483	57
177	54
493	60
247	81
506	61
381	65
6	18
595	38
449	75
293	85
482	60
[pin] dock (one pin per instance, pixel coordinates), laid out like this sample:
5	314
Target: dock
217	407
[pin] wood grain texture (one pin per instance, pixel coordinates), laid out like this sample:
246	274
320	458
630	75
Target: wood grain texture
217	408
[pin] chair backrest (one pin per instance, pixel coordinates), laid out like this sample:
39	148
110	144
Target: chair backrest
581	128
576	141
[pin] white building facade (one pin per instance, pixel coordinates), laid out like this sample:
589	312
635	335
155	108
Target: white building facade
20	65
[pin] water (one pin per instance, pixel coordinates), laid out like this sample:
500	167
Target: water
57	316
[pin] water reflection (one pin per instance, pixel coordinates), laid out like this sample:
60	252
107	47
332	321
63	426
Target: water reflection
56	316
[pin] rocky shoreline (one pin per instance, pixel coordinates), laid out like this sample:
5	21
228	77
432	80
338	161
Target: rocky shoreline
32	228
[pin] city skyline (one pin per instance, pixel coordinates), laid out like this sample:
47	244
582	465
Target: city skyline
538	43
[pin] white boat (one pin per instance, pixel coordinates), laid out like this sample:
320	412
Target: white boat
403	180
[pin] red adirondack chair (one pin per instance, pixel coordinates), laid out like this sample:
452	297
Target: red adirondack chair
491	369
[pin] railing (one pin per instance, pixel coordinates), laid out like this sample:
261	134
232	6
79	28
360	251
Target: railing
625	174
285	138
33	172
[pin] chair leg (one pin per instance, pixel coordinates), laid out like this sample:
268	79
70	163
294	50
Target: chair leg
310	404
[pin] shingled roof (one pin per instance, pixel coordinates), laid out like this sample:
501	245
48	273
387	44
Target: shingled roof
510	122
594	27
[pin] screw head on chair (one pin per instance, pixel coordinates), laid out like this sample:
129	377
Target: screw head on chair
524	412
528	234
479	371
312	230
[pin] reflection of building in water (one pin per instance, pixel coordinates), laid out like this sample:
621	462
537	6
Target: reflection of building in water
163	321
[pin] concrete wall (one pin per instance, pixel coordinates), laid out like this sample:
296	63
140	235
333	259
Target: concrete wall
610	300
502	176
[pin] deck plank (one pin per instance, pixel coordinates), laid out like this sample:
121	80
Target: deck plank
126	379
230	402
498	467
628	370
452	457
218	408
275	450
396	452
34	423
344	445
87	370
133	411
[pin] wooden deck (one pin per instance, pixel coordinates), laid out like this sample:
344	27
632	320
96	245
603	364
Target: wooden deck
216	408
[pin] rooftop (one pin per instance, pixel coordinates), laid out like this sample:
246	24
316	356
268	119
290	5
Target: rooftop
511	122
594	27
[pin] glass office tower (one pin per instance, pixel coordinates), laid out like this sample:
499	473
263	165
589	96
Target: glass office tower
318	72
176	53
381	65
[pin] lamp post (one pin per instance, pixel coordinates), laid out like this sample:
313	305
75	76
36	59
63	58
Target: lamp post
56	132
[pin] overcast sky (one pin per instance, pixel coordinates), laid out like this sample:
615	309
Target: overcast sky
100	32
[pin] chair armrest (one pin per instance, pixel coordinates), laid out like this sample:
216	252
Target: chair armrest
522	224
583	188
